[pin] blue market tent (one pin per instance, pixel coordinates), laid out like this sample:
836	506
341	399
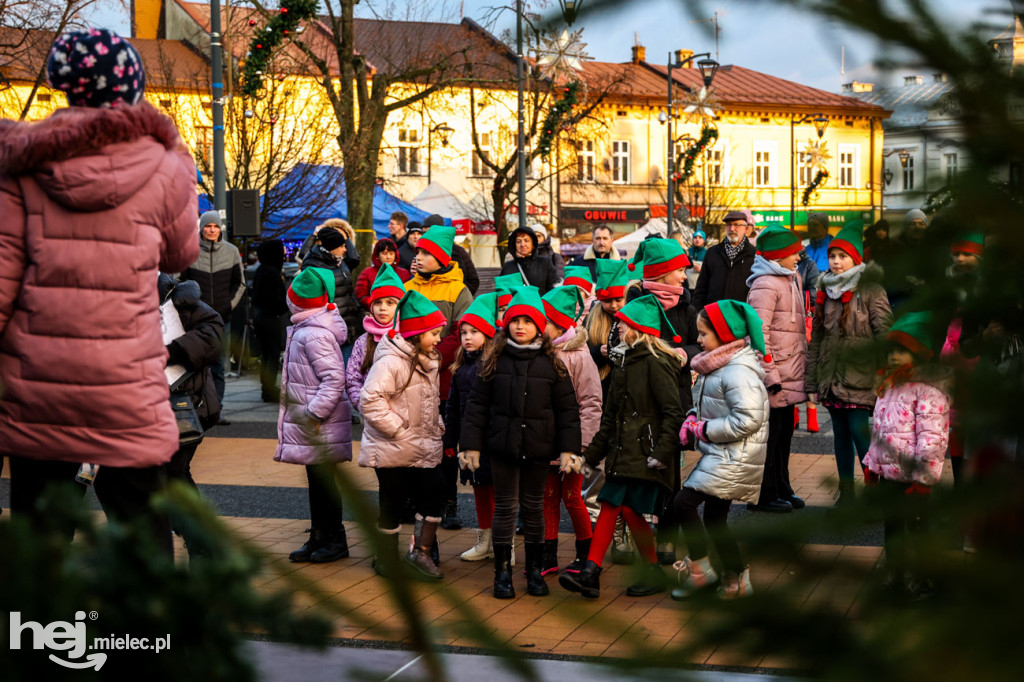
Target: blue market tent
298	219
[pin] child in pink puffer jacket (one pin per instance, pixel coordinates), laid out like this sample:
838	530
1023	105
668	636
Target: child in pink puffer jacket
908	445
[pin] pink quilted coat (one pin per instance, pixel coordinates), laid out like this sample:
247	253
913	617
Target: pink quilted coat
575	355
780	305
93	203
911	432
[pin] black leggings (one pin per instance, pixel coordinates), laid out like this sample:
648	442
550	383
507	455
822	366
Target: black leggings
716	517
397	485
905	522
518	486
324	497
775	484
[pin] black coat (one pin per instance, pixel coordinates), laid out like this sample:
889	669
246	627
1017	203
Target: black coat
344	289
455	407
538	268
524	412
198	348
470	277
720	281
642	417
683	317
405	251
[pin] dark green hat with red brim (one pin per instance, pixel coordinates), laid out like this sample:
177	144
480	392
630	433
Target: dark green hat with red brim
913	332
645	314
482	314
733	320
416	315
776	243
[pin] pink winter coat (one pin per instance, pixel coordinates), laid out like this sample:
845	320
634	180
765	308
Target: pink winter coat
401	409
313	390
93	203
911	432
776	297
575	355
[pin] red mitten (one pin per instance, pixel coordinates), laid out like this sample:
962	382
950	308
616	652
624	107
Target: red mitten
918	489
450	452
870	477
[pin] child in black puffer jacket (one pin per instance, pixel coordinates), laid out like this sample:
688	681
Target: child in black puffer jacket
477	328
523	413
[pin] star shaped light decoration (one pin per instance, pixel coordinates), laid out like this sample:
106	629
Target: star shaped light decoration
562	56
816	153
700	105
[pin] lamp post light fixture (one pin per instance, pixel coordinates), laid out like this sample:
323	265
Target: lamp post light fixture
445	132
820	125
887	175
708	68
570	9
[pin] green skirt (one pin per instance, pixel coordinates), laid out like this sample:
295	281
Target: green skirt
643	497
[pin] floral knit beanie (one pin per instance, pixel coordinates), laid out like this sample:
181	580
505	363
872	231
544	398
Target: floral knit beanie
96	68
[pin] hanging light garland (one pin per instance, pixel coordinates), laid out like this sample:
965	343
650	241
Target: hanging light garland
818	181
556	116
688	158
266	40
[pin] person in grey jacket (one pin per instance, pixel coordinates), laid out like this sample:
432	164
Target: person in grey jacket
218	272
729	425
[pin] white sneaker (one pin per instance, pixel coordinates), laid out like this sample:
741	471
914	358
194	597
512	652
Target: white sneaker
482	549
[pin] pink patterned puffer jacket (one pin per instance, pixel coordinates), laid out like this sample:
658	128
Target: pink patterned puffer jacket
910	435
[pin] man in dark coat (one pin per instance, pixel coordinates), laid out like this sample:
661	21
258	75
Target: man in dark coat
329	253
269	313
601	246
727	265
398	227
469	274
536	268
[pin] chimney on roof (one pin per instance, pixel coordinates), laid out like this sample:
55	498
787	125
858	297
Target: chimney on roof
939	78
639	54
147	18
857	86
684	54
913	80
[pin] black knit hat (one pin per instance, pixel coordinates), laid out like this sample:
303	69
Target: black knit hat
330	238
96	68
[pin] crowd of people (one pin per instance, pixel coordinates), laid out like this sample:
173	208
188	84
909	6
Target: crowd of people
582	385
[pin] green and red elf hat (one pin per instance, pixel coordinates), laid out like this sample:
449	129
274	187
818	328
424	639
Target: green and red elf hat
645	314
973	243
561	305
416	315
913	332
659	257
527	301
482	314
732	320
612	279
851	240
776	243
386	284
313	288
438	243
579	276
506	286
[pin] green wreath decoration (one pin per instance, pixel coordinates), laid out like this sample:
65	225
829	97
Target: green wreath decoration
687	159
558	112
266	40
819	178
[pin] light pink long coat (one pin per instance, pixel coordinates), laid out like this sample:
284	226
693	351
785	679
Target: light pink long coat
911	432
780	305
93	203
586	381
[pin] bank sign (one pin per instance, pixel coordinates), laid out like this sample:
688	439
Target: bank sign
781	218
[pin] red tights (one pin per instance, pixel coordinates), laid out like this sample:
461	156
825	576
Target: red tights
565	489
483	496
605	529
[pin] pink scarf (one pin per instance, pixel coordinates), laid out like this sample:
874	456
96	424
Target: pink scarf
710	360
374	329
666	294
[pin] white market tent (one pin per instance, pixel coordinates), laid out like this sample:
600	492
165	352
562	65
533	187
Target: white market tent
436	198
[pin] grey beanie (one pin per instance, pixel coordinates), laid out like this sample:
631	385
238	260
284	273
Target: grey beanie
915	214
210	217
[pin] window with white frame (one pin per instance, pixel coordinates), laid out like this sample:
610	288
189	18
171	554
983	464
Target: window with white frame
805	172
908	174
715	163
951	166
479	168
585	161
764	164
847	166
620	161
408	151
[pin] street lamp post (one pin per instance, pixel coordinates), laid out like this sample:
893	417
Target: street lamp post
446	133
708	67
887	174
217	108
820	124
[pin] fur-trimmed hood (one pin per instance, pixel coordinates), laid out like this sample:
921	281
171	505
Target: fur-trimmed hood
88	159
573	339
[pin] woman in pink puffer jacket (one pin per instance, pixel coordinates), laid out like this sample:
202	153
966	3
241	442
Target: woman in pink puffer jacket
908	445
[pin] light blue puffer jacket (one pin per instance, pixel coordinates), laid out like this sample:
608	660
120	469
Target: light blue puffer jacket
730	396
